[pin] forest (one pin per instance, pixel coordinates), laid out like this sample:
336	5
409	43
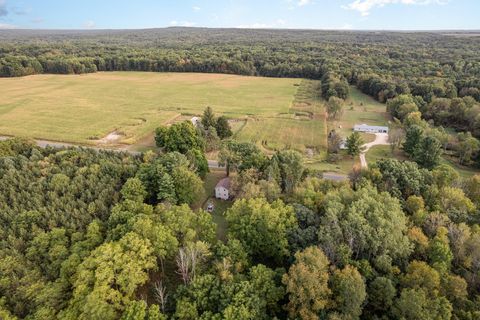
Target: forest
89	234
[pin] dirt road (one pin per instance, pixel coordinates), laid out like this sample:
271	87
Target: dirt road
380	139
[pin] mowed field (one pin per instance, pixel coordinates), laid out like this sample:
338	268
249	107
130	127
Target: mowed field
302	127
85	108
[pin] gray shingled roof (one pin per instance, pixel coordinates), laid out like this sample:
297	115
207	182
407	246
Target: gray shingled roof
225	183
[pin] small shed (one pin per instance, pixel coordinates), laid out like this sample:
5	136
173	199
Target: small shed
222	189
196	121
370	129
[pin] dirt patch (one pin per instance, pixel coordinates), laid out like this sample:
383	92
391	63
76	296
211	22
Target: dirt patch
111	138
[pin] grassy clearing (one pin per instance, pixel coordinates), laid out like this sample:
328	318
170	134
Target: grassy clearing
360	108
302	126
220	206
83	108
384	152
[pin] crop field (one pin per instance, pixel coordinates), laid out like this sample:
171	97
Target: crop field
86	108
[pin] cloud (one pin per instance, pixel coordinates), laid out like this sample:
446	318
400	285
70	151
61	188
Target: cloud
298	3
279	23
346	26
3	8
89	24
176	23
7	26
195	8
255	26
302	3
365	6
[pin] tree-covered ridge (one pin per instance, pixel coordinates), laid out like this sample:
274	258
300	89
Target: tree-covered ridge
382	64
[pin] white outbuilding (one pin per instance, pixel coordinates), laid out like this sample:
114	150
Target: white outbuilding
222	189
370	129
196	121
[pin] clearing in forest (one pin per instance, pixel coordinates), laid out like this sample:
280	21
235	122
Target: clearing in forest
130	105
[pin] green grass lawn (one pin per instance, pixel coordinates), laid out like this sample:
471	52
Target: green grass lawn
383	152
220	206
81	108
359	109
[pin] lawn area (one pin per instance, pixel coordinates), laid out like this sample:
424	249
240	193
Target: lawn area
302	126
83	108
383	152
360	109
220	206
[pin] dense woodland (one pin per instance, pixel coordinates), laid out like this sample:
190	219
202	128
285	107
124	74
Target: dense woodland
88	234
105	235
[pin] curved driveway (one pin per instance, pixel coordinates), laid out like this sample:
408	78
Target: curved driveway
380	139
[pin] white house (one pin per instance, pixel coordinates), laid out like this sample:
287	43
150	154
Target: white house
222	189
196	121
370	129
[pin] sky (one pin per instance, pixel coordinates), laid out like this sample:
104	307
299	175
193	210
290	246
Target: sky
292	14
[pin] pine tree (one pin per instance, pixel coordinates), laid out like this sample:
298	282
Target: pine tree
208	118
354	144
166	189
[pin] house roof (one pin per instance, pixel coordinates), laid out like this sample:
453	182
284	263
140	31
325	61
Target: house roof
224	183
366	126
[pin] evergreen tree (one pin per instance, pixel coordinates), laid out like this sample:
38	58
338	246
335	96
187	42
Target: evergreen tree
223	128
354	144
428	152
208	118
166	189
413	138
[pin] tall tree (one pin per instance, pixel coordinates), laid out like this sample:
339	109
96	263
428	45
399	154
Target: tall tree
354	144
261	227
349	293
307	284
208	118
335	107
223	128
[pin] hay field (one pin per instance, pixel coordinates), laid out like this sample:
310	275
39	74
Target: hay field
85	108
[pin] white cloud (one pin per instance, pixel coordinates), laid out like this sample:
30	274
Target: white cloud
7	26
279	23
346	26
365	6
195	8
302	3
255	26
176	23
298	3
89	24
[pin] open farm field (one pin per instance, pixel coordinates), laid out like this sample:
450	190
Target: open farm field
86	108
302	127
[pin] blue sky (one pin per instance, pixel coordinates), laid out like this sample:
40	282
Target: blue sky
313	14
